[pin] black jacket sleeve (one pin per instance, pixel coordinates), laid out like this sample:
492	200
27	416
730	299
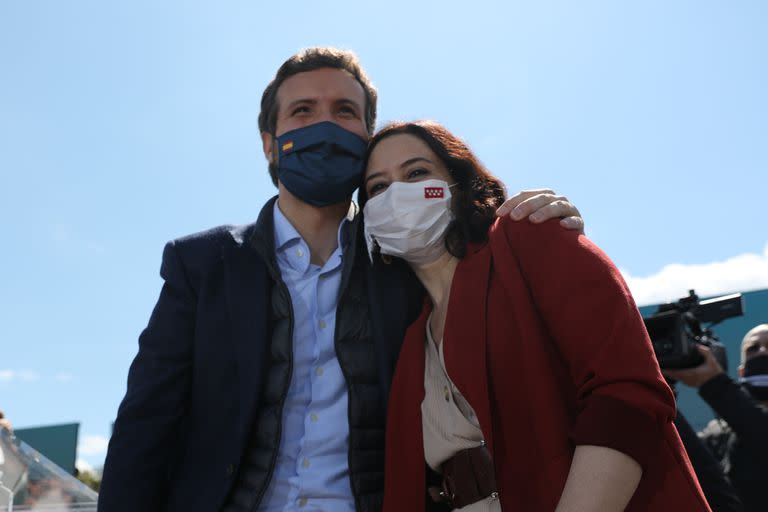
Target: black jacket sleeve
136	470
720	494
743	414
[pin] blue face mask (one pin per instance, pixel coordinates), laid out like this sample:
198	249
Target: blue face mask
321	164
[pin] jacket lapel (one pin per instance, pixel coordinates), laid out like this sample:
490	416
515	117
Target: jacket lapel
248	305
404	467
465	334
248	290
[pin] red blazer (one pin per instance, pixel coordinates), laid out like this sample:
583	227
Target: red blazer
544	340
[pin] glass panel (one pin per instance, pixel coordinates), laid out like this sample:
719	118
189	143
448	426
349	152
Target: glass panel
29	481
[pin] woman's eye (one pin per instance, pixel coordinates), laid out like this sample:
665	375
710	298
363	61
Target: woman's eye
417	173
348	111
376	189
300	110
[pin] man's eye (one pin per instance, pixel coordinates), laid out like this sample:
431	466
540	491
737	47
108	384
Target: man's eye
300	110
751	349
348	111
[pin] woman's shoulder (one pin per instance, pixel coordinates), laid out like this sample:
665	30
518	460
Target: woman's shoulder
524	234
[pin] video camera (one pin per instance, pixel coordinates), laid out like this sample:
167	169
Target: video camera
676	329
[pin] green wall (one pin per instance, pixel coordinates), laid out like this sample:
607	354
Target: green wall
57	442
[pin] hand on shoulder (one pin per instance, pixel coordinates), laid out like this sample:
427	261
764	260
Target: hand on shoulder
540	205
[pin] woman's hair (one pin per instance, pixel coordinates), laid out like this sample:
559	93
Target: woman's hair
479	193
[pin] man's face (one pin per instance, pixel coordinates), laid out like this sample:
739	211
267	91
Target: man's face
755	343
325	94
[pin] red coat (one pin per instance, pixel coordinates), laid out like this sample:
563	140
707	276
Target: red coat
544	340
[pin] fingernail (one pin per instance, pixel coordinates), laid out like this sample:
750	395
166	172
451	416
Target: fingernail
536	217
517	214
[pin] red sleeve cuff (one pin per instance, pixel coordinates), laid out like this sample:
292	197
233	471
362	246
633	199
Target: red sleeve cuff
608	422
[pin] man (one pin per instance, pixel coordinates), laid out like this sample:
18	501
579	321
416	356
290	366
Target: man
261	380
738	439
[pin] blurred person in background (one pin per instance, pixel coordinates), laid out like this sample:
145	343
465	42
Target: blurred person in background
5	422
738	438
720	494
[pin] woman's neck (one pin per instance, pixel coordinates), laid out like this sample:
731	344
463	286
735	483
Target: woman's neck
437	278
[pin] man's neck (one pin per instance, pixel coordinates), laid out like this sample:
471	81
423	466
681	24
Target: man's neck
318	226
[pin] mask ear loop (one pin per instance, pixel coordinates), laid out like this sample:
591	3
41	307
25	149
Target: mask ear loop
385	258
275	152
453	175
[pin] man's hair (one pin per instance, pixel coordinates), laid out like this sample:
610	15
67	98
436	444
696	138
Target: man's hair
311	59
479	193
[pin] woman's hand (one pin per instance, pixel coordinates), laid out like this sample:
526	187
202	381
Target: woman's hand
541	205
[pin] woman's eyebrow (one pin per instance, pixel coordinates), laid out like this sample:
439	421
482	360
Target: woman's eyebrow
414	160
374	175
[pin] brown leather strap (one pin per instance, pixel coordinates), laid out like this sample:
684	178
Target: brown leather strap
469	477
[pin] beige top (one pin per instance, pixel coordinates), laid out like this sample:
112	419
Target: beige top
449	423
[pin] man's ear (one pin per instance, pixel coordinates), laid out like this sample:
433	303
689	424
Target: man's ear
741	370
267	145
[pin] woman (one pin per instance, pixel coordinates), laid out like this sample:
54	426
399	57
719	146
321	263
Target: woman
528	380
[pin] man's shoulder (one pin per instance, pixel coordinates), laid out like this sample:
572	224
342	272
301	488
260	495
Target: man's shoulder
212	236
206	246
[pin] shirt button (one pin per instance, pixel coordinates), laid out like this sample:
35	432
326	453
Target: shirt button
322	324
313	418
299	253
319	371
305	463
302	502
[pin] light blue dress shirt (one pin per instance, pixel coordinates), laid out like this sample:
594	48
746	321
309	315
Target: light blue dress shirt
312	471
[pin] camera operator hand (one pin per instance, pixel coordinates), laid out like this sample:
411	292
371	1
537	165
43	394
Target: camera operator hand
696	377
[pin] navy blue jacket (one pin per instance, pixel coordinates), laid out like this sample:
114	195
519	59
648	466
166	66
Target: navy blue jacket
195	383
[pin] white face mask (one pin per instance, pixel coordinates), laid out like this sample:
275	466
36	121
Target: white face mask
409	220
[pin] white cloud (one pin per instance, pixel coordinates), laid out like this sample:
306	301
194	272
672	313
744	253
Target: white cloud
22	375
28	376
83	466
92	445
740	273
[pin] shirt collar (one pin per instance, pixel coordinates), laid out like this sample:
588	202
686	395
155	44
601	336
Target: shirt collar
285	233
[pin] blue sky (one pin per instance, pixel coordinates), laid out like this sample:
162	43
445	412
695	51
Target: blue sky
126	124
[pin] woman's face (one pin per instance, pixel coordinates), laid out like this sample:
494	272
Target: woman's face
402	157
